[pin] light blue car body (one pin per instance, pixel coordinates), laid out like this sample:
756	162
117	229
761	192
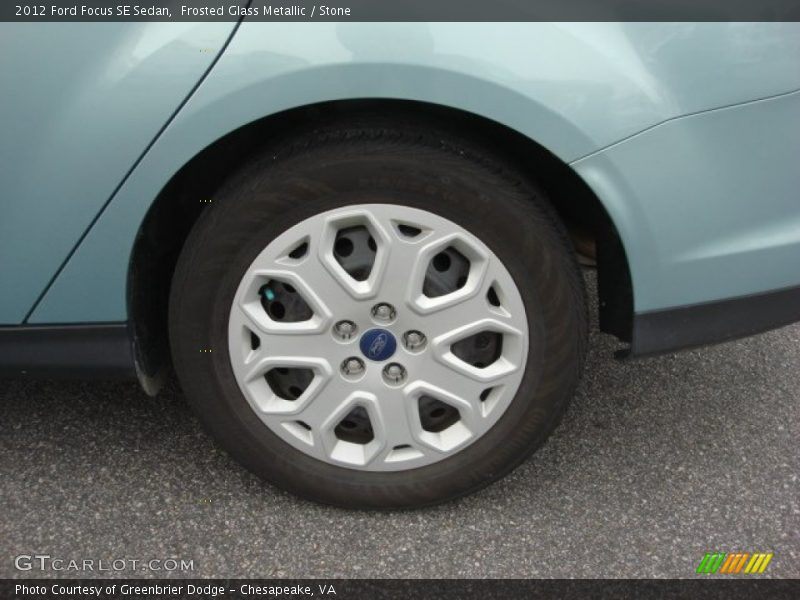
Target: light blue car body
689	134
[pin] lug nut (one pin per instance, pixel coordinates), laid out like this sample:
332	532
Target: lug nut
352	366
345	329
394	373
414	340
384	312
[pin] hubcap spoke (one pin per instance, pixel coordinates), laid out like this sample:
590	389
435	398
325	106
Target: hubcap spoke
401	260
332	395
455	382
293	341
394	414
328	285
450	318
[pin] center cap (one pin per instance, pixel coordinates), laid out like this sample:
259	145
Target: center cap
378	344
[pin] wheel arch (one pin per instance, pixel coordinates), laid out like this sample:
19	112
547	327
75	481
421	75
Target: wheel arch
171	215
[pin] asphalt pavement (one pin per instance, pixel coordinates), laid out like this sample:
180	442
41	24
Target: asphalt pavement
657	462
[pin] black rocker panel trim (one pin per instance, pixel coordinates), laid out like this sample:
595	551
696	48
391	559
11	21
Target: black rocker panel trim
96	350
105	350
711	322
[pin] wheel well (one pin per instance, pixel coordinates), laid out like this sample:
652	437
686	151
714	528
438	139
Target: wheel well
177	207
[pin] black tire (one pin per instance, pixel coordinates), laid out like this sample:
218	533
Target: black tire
358	161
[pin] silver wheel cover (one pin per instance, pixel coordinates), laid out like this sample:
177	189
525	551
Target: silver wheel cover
376	417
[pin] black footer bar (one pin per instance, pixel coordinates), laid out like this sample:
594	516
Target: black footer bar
390	589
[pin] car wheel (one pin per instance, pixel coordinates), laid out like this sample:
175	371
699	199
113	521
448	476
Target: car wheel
378	316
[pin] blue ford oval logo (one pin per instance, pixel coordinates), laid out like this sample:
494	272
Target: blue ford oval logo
378	344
